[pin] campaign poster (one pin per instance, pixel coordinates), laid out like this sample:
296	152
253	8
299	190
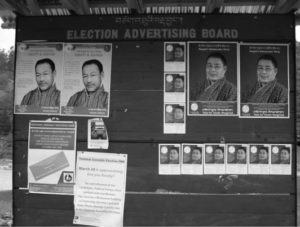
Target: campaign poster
237	158
192	159
259	159
212	79
51	157
169	159
264	80
174	118
174	57
39	70
87	78
99	194
214	159
281	159
97	134
174	87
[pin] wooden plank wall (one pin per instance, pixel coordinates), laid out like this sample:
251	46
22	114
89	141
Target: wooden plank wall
135	127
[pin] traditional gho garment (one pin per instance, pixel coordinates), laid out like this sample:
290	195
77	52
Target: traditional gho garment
36	97
272	92
221	90
97	99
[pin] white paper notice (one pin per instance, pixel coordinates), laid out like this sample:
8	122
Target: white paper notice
281	159
169	156
192	159
214	159
97	134
100	189
259	162
174	118
237	158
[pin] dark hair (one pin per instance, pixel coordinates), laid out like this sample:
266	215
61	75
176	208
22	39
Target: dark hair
217	55
179	107
95	62
268	57
46	60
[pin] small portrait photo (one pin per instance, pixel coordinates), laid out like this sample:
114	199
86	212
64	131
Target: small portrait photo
98	131
259	154
169	154
280	154
175	82
174	113
174	52
192	154
236	154
214	154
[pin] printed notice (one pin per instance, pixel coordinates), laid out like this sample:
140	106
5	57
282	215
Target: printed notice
214	159
97	134
212	79
281	159
100	189
86	82
169	157
38	78
174	84
237	158
51	156
174	57
174	118
259	159
264	80
192	159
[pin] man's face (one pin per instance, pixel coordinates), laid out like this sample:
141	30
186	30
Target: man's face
284	155
218	154
178	53
263	154
178	114
44	76
196	154
173	155
215	69
178	83
92	78
266	72
241	154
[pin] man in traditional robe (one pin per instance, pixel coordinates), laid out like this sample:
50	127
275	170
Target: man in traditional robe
266	89
46	94
215	87
93	95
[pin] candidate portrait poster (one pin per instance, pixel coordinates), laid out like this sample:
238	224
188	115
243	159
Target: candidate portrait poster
38	78
212	79
86	81
264	80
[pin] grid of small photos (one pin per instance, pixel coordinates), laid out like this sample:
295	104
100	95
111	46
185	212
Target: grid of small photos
213	158
174	87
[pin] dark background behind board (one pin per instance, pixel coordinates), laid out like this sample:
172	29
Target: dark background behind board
135	127
249	63
197	63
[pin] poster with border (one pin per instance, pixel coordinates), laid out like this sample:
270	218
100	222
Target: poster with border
214	158
86	91
208	93
174	87
281	159
51	157
237	158
38	76
169	159
192	159
264	87
174	56
174	118
259	159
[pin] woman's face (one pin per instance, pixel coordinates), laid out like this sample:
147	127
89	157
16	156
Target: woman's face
241	154
263	154
178	114
284	155
219	154
178	53
173	154
196	154
178	83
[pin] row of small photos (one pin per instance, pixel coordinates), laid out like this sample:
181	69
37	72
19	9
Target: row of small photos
174	88
199	159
